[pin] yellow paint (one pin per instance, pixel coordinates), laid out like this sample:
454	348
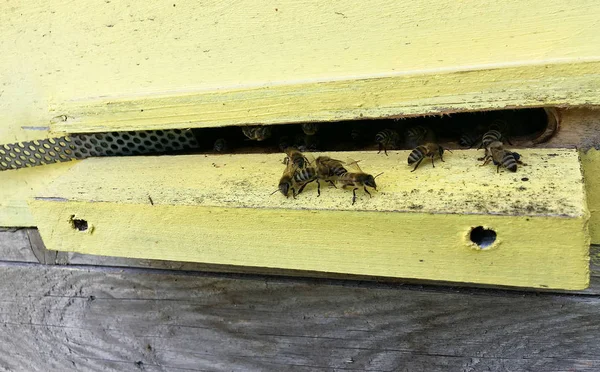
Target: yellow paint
401	95
590	161
218	209
58	52
19	185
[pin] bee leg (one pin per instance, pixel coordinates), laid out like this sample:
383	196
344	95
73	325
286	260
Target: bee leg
318	189
498	168
294	192
432	162
332	184
487	160
367	191
301	188
380	148
354	195
508	140
416	166
385	151
442	158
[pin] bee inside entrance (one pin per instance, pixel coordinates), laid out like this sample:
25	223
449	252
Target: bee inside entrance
483	237
522	128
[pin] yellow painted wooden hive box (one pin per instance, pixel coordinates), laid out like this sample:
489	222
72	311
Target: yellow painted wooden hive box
123	134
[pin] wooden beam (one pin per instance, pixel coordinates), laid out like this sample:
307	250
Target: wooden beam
393	96
93	318
218	209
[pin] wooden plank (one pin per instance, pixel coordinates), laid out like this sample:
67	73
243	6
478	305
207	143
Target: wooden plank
49	257
217	209
400	95
18	185
252	43
15	245
105	320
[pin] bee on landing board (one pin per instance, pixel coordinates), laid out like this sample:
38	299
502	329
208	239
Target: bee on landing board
501	157
295	179
387	139
295	156
329	169
257	133
428	150
356	178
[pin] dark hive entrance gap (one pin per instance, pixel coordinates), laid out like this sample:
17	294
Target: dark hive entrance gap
523	126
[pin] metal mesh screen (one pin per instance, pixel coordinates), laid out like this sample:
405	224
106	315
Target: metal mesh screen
81	146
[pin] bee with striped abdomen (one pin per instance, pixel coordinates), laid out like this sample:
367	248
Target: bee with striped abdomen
501	157
296	157
417	135
257	133
387	139
329	169
357	178
295	179
489	137
428	150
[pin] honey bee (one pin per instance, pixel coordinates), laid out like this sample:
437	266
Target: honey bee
257	133
469	139
296	157
220	145
387	139
489	137
502	127
310	129
415	136
501	157
357	178
428	150
295	179
329	169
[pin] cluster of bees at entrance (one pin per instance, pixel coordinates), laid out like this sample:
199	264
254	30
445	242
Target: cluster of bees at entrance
302	169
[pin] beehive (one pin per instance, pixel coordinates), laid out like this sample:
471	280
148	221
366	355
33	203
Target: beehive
256	63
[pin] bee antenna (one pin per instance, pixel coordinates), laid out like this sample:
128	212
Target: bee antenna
378	175
273	192
450	151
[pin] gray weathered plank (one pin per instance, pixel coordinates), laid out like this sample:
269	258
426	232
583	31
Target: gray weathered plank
15	245
61	318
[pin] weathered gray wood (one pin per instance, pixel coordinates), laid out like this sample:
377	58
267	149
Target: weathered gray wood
59	318
15	245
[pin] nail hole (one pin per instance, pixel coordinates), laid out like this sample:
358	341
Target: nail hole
78	224
484	238
524	179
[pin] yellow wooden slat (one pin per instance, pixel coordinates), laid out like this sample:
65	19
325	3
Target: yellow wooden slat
17	186
560	84
218	209
59	52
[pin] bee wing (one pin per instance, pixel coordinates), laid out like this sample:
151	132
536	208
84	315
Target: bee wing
352	166
310	158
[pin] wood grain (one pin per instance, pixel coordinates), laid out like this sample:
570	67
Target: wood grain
64	51
97	319
218	210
